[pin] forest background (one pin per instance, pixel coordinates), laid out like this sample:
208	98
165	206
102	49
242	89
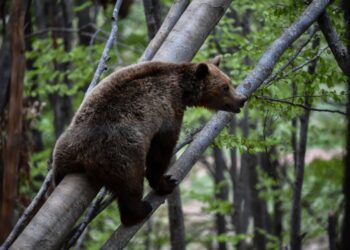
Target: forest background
289	139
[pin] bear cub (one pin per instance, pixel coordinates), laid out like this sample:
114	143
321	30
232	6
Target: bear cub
127	127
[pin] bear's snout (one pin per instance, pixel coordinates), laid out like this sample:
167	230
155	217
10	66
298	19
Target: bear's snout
241	99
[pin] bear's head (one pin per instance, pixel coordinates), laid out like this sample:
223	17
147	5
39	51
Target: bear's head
217	92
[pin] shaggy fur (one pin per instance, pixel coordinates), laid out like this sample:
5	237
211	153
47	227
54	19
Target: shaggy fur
126	129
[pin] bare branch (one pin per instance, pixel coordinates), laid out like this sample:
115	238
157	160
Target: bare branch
269	99
111	39
90	214
299	67
338	49
292	58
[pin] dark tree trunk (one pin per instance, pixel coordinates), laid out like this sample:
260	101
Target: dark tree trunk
153	16
176	221
14	128
234	173
221	193
243	210
296	239
345	238
61	16
85	23
269	164
5	70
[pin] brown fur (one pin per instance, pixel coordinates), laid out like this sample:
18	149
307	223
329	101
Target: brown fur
126	129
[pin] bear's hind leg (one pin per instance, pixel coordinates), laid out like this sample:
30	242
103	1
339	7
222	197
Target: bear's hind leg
131	206
158	160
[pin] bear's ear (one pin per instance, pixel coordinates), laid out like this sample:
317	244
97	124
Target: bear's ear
216	60
202	70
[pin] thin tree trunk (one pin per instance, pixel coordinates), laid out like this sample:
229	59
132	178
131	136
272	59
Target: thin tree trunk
221	193
85	23
296	239
244	209
345	239
234	173
13	143
176	221
61	16
152	10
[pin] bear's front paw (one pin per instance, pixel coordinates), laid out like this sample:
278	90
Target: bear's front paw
167	185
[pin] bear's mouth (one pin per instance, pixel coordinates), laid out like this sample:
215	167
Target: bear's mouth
231	108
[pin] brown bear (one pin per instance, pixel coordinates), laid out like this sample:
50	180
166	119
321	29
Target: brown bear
126	129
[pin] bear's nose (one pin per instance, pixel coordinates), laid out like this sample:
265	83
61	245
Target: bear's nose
241	100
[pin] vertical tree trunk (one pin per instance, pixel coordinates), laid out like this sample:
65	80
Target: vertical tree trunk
176	221
234	173
345	238
85	23
14	129
295	235
244	209
153	16
61	16
221	193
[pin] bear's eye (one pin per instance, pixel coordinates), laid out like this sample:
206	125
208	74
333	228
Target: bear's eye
226	88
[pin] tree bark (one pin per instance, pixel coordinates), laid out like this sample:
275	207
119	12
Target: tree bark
14	129
47	231
345	239
176	221
295	235
221	193
152	10
85	23
61	16
170	20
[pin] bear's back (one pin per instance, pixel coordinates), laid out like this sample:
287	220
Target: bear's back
143	94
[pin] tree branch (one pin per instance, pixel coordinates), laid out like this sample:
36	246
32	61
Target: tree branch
292	58
269	99
111	40
338	49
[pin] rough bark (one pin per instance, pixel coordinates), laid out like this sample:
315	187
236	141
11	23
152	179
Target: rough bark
14	127
5	70
221	193
176	221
